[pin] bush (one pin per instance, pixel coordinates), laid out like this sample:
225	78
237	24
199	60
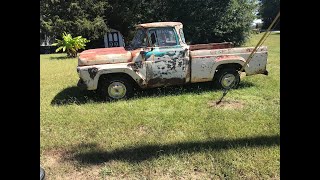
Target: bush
70	45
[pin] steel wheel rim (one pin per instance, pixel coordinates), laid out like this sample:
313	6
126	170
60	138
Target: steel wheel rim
117	90
228	80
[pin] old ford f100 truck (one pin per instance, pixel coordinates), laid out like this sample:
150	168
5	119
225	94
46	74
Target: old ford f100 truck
159	56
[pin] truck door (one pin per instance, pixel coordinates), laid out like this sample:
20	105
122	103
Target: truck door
167	61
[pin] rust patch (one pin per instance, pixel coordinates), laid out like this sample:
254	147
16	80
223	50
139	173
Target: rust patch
211	46
104	56
249	50
140	81
218	58
156	82
93	72
91	53
188	72
196	79
134	54
226	57
226	104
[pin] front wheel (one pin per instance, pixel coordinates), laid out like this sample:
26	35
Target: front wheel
115	88
227	79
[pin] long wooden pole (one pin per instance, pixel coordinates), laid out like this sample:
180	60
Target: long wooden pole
251	55
259	43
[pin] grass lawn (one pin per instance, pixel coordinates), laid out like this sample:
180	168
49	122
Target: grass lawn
165	133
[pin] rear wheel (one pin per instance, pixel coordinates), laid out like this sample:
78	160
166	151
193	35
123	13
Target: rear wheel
227	78
115	88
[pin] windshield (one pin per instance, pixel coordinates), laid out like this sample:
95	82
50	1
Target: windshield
139	39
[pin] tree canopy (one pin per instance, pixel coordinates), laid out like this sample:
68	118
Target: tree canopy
268	11
85	18
204	21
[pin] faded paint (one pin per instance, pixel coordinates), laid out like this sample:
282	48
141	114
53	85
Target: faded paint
205	62
164	66
104	56
125	68
211	46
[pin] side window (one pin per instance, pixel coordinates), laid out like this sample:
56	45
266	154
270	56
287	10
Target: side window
162	37
182	35
139	39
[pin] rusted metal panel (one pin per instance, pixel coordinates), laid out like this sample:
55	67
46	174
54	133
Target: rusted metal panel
258	64
104	56
205	62
157	82
227	51
211	46
201	69
90	74
167	66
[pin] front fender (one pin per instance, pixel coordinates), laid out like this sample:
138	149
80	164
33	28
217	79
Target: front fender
90	74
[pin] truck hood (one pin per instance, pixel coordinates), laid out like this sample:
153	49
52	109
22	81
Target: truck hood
104	56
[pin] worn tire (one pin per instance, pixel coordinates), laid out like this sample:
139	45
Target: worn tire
223	77
108	86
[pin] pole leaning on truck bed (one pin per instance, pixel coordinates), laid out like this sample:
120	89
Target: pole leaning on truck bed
263	38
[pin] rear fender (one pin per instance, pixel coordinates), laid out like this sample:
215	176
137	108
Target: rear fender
226	60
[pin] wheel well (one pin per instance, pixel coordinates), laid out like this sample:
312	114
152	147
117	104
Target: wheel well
231	65
122	75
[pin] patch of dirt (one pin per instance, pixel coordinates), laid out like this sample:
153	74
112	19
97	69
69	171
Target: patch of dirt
227	104
140	130
53	157
83	174
56	167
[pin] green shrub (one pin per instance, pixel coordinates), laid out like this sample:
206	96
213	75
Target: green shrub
70	45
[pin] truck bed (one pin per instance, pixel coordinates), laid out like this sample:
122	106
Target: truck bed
204	61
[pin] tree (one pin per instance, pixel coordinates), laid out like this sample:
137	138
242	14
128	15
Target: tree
83	18
70	45
204	21
268	11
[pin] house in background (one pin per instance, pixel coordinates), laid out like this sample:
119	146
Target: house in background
45	45
113	39
257	24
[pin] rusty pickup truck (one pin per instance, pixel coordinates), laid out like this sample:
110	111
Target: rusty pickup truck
159	56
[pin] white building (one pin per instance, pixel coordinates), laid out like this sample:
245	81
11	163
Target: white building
257	24
113	39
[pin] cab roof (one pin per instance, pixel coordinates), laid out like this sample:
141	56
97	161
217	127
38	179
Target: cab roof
159	24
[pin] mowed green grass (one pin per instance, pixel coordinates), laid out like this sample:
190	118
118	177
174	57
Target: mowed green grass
166	133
